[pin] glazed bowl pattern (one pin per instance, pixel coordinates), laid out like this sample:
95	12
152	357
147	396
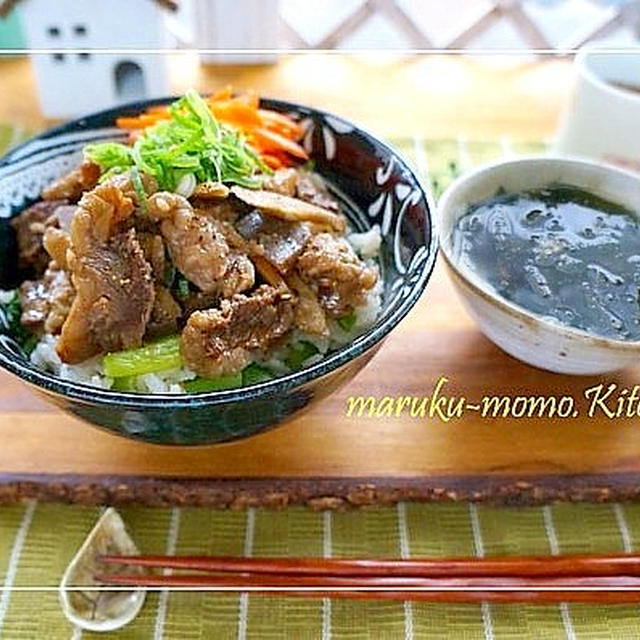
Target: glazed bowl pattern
376	187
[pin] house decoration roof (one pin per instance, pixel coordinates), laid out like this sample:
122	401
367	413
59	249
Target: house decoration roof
7	6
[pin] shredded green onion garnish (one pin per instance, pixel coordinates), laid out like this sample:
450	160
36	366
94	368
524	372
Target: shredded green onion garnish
141	194
192	141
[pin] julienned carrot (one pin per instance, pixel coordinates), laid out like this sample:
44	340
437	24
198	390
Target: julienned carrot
273	161
279	122
271	141
225	93
142	121
236	113
158	108
126	122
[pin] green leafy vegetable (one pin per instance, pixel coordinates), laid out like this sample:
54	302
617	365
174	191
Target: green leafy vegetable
192	141
300	352
109	155
12	312
202	385
156	356
255	373
125	383
182	287
348	322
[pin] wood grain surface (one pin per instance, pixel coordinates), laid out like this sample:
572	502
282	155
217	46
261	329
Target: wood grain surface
325	455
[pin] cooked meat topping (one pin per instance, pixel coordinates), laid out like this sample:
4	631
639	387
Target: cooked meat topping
61	298
198	247
311	189
281	242
113	303
57	243
282	181
239	276
287	208
165	314
211	191
269	273
221	341
62	217
34	301
222	210
340	279
124	182
30	226
197	300
72	185
99	214
232	272
154	253
309	315
46	302
114	290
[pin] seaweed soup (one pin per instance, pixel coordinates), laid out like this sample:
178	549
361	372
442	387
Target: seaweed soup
560	252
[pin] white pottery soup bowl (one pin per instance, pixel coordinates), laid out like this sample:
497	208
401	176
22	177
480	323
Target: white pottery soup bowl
538	340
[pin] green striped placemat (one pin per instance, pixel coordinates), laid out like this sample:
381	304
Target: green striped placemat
38	540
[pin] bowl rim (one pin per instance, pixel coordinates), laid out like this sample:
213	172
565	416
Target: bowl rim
482	288
334	361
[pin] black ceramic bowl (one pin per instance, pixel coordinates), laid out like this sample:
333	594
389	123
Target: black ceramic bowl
373	182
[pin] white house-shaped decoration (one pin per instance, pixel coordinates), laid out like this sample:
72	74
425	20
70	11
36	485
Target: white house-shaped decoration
75	83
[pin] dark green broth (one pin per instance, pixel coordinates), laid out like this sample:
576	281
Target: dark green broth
560	252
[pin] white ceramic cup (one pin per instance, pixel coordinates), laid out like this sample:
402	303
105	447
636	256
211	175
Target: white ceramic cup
602	120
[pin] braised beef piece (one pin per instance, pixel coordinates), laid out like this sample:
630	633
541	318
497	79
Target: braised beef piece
222	210
154	253
280	242
165	314
282	181
72	185
112	279
46	303
30	226
198	247
57	242
125	182
311	189
211	191
56	239
219	342
62	217
339	278
114	300
198	300
309	316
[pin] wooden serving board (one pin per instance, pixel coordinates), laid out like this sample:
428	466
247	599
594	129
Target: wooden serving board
325	458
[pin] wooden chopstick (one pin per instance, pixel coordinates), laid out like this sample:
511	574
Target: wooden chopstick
594	589
523	566
597	578
269	581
